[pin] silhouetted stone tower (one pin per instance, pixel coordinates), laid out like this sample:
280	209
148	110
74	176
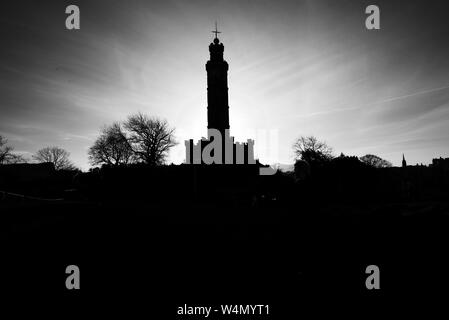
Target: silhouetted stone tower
218	118
404	163
217	87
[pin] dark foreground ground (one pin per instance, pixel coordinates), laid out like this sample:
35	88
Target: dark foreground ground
152	259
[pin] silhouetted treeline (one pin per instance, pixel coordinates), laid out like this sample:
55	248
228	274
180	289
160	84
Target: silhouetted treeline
319	178
349	180
343	179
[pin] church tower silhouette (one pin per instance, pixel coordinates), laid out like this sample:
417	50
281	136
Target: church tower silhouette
217	88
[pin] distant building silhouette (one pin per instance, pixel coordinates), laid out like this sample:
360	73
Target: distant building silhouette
440	163
218	114
404	163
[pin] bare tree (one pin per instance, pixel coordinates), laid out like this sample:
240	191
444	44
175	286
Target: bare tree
6	153
16	158
5	150
150	138
375	161
312	150
111	147
58	156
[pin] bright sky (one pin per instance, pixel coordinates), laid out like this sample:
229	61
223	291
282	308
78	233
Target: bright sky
295	68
